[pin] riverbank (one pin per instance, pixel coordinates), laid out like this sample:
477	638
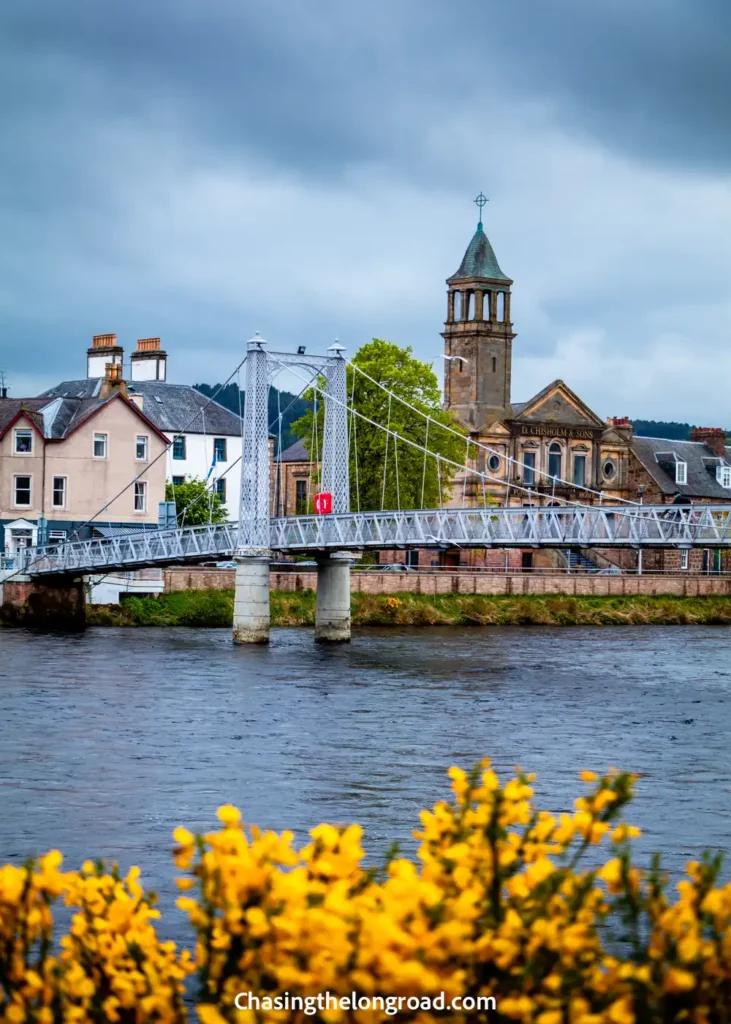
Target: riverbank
214	608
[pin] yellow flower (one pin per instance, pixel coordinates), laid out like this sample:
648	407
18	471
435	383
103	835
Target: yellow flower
587	776
229	815
678	980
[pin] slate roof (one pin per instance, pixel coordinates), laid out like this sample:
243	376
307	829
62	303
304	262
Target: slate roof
700	460
295	453
55	420
10	407
172	408
479	260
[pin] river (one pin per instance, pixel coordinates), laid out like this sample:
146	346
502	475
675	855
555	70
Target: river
110	738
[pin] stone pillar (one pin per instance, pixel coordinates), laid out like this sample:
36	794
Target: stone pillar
332	613
44	602
251	598
479	296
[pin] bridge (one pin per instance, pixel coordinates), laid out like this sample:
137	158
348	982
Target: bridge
335	538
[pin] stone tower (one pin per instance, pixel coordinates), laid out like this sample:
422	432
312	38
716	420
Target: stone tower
478	331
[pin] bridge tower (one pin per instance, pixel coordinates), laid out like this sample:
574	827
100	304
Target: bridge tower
253	543
332	613
478	335
252	557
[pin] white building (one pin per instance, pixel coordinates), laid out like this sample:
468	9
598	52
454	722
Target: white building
198	427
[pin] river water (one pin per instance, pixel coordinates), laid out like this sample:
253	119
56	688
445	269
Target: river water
110	738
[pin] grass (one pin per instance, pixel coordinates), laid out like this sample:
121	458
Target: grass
214	608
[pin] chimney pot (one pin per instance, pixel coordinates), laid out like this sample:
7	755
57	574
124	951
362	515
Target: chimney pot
713	437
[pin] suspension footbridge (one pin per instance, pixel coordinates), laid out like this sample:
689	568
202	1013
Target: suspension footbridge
334	539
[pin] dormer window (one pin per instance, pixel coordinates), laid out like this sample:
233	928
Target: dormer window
681	472
723	476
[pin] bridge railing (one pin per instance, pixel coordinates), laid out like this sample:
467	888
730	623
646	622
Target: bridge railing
580	526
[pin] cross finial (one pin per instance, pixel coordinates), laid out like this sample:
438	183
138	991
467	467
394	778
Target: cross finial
481	201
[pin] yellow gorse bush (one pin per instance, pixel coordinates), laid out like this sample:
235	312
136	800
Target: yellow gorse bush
500	903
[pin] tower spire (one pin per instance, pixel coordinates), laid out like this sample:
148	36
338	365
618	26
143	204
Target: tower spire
481	201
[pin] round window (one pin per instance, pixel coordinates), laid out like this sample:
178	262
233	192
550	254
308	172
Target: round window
609	469
493	463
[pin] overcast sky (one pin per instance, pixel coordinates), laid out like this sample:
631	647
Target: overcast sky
203	169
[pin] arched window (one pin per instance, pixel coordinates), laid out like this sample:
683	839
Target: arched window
500	315
554	460
485	305
457	305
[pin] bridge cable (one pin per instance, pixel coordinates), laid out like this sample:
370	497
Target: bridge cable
480	444
441	458
423	473
142	472
354	432
385	457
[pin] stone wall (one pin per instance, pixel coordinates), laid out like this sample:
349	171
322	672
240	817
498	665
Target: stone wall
53	604
687	585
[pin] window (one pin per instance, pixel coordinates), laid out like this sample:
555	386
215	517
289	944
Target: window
57	535
141	448
23	441
580	470
21	491
723	475
140	495
529	467
219	449
554	461
301	497
493	463
494	364
178	481
100	446
681	472
684	559
609	469
59	492
221	489
178	447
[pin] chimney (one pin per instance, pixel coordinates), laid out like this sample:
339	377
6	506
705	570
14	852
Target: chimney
712	437
113	381
149	361
104	349
620	422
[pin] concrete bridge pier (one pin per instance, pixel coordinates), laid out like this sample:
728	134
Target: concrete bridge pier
45	603
332	612
251	598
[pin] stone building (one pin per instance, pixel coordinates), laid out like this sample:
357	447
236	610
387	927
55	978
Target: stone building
550	447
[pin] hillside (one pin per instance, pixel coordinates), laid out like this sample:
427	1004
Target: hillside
290	405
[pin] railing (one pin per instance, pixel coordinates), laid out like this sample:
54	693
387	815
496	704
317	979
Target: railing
644	526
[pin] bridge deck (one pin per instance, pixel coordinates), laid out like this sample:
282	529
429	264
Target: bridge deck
644	526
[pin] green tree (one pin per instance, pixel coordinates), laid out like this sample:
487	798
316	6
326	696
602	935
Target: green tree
196	500
410	480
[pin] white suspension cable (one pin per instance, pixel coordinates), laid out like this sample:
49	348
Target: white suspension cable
423	473
385	457
492	451
353	431
142	472
440	458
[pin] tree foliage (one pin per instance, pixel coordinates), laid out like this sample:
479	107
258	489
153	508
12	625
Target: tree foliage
197	502
411	481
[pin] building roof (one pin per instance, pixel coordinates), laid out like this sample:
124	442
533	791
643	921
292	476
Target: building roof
479	260
659	456
56	417
173	408
295	453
